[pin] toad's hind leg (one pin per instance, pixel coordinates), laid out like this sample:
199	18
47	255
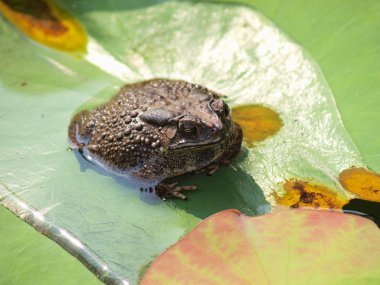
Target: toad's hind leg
230	154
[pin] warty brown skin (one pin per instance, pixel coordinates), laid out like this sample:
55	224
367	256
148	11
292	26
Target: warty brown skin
156	129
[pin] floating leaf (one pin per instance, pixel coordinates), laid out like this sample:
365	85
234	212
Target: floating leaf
30	258
229	48
295	247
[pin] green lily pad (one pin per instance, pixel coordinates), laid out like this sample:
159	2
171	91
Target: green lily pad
30	258
295	247
229	48
341	37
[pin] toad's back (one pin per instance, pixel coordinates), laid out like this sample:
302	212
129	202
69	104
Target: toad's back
150	121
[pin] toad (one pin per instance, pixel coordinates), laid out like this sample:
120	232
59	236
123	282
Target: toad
157	129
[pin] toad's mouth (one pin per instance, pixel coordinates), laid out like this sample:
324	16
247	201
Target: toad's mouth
199	144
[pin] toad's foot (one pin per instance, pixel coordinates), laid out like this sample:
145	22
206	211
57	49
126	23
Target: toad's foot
171	190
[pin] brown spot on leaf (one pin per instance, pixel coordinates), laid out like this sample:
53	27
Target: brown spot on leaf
43	21
300	194
38	14
362	182
258	122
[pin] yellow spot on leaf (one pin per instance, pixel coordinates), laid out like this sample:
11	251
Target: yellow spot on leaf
300	194
362	182
47	24
258	122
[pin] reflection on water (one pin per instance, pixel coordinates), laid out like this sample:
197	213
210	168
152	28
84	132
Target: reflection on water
130	185
229	188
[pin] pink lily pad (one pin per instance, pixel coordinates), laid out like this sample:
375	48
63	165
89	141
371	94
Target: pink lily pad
288	247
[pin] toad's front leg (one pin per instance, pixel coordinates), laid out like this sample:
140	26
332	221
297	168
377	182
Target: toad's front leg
163	190
159	169
231	152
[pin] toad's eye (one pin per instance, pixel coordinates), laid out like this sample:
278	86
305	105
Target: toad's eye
188	129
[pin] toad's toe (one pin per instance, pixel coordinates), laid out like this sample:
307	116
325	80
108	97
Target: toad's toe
171	190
